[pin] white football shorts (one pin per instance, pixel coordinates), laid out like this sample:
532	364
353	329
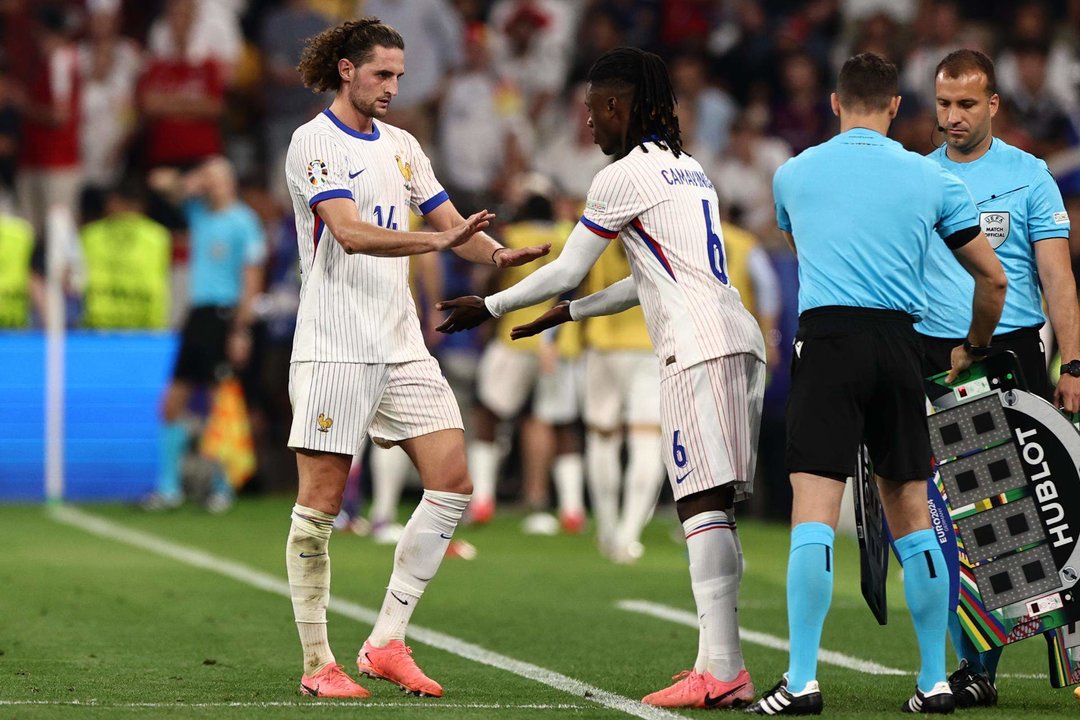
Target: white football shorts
336	404
710	417
622	387
506	377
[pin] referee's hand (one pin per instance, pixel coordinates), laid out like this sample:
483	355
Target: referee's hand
553	317
465	313
961	361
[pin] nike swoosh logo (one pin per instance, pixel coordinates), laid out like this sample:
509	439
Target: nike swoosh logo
678	480
444	536
711	701
314	692
354	174
403	602
311	555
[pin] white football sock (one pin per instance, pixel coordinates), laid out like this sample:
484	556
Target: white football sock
644	476
483	469
569	474
602	458
416	560
714	578
307	562
389	469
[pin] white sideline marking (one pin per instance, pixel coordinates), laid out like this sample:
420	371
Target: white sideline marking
434	638
666	612
319	704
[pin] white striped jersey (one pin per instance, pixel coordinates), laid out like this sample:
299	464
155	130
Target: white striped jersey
665	211
356	308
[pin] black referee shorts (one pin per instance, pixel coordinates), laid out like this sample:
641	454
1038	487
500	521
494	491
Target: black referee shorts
202	359
1025	342
856	377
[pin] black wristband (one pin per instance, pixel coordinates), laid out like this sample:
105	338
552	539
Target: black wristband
493	262
976	351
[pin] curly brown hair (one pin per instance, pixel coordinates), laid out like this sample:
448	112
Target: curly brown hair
353	40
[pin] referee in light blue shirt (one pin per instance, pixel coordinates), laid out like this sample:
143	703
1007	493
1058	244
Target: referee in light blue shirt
861	213
1024	218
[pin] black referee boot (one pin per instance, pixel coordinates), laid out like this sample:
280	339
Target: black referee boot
779	701
939	701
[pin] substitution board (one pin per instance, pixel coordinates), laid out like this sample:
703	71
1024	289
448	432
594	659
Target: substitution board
1008	468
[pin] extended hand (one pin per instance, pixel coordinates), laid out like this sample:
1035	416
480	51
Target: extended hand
508	257
961	361
465	313
553	317
460	233
1067	393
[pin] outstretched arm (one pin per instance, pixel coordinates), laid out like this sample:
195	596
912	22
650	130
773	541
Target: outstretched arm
357	236
611	300
481	248
562	274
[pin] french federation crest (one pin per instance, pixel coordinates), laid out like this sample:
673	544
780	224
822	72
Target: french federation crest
406	171
995	226
317	172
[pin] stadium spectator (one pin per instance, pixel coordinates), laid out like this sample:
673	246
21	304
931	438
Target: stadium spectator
942	24
799	116
435	36
111	65
209	31
227	253
705	112
49	168
744	174
10	128
126	256
571	158
286	101
1030	26
181	98
529	43
1034	107
477	104
16	247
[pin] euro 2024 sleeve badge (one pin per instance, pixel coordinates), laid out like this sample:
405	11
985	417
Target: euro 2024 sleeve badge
317	172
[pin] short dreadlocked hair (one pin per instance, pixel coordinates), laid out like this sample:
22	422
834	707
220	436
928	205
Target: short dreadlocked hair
354	40
652	111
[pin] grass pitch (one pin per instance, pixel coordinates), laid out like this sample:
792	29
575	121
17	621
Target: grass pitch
107	612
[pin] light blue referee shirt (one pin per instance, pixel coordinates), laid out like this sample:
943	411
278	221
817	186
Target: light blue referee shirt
863	212
1019	205
223	243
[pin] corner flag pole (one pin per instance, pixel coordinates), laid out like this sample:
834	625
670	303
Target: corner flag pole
60	227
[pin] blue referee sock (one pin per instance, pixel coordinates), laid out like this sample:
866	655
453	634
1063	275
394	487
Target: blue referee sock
926	588
963	646
171	444
809	594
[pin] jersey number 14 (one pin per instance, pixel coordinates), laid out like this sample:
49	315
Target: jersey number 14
715	243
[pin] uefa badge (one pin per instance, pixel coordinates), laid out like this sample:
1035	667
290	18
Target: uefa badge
317	172
995	226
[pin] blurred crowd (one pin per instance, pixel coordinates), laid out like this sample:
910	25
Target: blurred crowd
97	95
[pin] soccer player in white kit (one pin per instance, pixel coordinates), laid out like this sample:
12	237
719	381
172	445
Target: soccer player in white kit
359	363
657	200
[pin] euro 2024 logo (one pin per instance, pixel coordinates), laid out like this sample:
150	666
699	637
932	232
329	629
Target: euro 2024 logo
317	172
995	226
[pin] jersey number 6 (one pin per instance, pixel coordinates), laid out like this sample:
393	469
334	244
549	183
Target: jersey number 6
716	244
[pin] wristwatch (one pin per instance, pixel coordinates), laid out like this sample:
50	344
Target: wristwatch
1071	368
976	351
